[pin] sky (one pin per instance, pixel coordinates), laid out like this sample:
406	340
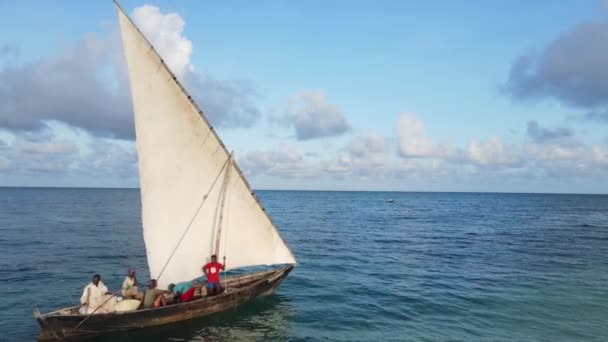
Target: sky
316	95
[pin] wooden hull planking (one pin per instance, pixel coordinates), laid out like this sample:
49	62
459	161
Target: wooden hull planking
241	289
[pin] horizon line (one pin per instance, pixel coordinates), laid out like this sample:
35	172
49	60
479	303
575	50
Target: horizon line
319	190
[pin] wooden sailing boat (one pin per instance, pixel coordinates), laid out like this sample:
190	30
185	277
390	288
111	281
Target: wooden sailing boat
195	203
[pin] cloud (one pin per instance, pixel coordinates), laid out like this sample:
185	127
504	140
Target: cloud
67	87
107	157
573	69
493	153
45	152
4	162
165	31
369	146
312	117
413	141
84	85
600	116
554	152
39	152
227	103
366	155
376	158
541	135
558	144
9	50
570	162
412	155
284	161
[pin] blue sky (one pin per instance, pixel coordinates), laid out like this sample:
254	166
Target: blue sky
342	95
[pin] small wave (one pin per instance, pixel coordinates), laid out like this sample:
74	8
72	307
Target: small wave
22	243
115	257
407	218
7	269
388	241
24	276
588	225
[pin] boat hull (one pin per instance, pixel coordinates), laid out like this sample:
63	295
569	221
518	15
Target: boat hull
241	289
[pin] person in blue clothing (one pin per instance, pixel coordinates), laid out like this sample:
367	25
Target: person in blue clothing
180	289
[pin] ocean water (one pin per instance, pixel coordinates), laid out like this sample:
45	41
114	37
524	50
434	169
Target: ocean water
428	267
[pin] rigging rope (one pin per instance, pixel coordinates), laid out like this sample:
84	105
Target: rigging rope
193	217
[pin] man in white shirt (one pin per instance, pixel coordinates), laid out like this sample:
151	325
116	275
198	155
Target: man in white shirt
129	286
95	296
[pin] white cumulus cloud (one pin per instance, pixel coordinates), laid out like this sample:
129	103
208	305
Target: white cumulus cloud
493	152
284	160
413	140
366	155
311	116
165	31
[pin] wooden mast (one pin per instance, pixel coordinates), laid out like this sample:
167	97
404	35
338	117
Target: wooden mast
223	202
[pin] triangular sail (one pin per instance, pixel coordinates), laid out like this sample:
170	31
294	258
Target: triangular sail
181	159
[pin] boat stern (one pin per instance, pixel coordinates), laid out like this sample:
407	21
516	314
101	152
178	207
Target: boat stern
38	317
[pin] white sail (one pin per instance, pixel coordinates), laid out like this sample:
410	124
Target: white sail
181	159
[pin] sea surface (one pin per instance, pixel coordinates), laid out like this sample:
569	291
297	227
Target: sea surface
427	267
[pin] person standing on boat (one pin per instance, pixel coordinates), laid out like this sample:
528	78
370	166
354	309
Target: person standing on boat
129	286
94	295
212	271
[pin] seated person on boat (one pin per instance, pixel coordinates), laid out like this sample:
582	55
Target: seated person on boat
96	298
129	288
186	290
154	298
212	271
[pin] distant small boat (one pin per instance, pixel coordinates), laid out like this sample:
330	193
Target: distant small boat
389	200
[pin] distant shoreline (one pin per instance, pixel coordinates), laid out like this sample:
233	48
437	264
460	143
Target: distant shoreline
320	190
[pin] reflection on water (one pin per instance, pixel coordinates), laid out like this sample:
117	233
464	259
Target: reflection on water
265	318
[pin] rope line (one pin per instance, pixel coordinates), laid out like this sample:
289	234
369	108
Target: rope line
193	217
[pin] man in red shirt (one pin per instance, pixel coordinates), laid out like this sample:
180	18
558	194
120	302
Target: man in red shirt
212	271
